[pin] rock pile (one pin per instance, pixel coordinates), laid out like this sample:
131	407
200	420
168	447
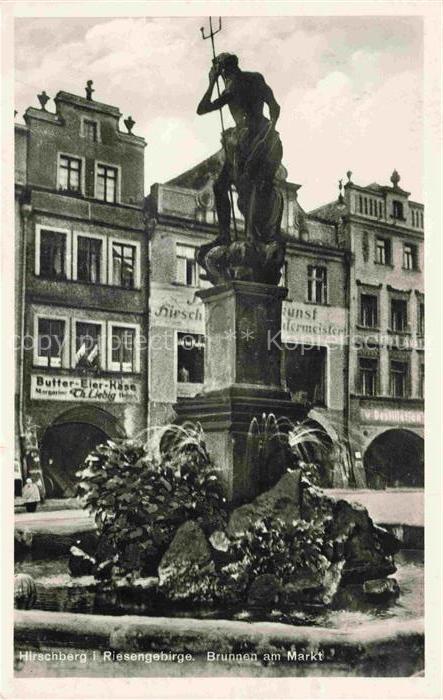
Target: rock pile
292	547
353	550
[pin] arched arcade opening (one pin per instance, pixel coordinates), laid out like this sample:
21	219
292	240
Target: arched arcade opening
395	458
68	441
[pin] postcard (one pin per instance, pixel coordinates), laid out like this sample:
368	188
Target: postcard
216	292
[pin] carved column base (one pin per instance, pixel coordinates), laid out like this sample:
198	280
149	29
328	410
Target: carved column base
225	416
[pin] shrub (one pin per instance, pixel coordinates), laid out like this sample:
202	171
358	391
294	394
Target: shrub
139	501
272	546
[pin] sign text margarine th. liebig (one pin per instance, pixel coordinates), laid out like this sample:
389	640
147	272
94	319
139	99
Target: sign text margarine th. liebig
52	387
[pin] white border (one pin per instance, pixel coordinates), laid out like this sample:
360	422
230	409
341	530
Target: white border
104	256
103	343
313	301
230	687
98	162
198	385
57	229
56	316
62	191
137	271
132	326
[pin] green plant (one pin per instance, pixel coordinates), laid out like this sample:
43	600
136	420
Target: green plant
272	546
139	500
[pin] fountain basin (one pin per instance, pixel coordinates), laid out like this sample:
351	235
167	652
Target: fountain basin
386	648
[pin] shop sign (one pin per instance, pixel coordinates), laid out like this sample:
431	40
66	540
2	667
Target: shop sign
181	310
313	323
54	387
392	415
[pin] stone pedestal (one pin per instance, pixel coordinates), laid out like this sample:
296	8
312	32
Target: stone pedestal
242	378
243	323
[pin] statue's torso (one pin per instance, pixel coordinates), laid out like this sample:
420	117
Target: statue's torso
247	100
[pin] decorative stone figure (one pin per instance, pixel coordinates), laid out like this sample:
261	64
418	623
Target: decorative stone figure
89	89
253	154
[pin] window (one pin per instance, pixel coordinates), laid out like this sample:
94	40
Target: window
70	173
305	372
421	319
398	378
370	208
421	380
50	342
90	130
186	266
106	184
397	209
88	346
399	315
360	204
413	217
383	251
365	200
123	349
52	254
89	259
409	256
369	310
317	284
190	358
368	368
124	265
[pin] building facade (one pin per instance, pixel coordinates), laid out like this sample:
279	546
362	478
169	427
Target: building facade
314	318
384	232
81	279
111	332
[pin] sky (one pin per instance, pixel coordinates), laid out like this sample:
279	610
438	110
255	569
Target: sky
350	88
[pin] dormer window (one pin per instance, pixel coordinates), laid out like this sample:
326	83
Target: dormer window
90	130
397	210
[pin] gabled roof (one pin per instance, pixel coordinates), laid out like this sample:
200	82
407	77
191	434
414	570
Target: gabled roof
330	212
196	177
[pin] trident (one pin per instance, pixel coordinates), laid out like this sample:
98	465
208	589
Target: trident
211	36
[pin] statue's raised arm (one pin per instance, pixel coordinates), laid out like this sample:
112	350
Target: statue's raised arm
205	105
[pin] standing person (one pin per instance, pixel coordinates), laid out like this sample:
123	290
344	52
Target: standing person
31	495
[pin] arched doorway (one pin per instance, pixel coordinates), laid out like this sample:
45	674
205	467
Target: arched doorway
67	443
395	458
